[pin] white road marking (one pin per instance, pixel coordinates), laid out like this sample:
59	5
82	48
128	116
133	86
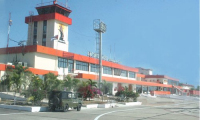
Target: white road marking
138	108
14	113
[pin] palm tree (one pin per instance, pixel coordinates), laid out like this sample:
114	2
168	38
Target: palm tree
18	76
7	82
50	81
70	83
106	87
92	83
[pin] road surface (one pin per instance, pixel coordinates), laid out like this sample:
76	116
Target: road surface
153	109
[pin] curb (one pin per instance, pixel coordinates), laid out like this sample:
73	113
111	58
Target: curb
24	108
109	105
133	103
44	109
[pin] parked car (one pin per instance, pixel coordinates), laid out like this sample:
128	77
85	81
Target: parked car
62	100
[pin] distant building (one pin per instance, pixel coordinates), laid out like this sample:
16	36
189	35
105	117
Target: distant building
144	71
186	86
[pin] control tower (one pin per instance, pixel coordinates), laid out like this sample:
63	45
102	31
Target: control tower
50	27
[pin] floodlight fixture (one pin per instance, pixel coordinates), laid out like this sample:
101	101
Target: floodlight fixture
99	26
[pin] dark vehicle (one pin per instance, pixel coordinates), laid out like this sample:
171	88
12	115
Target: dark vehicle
62	100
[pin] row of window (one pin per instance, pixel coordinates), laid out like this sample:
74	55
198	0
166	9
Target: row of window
63	62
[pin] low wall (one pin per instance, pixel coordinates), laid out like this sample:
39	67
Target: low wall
160	93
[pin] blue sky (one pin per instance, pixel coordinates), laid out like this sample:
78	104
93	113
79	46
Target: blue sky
162	35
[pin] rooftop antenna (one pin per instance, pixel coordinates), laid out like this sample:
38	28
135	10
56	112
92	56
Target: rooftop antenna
100	28
66	3
42	2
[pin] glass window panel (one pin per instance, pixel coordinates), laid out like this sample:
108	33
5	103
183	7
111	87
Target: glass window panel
117	72
82	66
131	74
107	70
70	66
94	67
123	73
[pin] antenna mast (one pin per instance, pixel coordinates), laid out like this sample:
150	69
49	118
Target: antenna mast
66	2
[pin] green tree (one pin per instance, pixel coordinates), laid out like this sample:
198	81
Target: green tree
198	88
126	93
71	83
18	77
106	87
35	92
7	82
50	82
92	83
88	89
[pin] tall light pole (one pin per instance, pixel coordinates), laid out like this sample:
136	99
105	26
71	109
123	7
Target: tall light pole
9	24
100	28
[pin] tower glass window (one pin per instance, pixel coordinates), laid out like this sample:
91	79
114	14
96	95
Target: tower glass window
35	33
44	33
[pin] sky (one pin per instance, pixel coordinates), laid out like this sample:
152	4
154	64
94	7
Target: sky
162	35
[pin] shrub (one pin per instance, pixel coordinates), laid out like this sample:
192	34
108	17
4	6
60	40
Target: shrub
126	94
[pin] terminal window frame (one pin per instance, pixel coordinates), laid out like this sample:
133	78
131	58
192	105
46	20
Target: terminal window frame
82	66
94	68
131	74
70	66
117	72
62	62
123	73
107	70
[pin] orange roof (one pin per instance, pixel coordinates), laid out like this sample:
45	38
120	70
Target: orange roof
161	76
49	16
119	80
59	53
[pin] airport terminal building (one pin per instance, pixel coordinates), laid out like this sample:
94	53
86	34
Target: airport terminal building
47	51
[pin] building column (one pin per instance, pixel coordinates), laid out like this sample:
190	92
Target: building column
147	89
74	66
89	68
141	89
